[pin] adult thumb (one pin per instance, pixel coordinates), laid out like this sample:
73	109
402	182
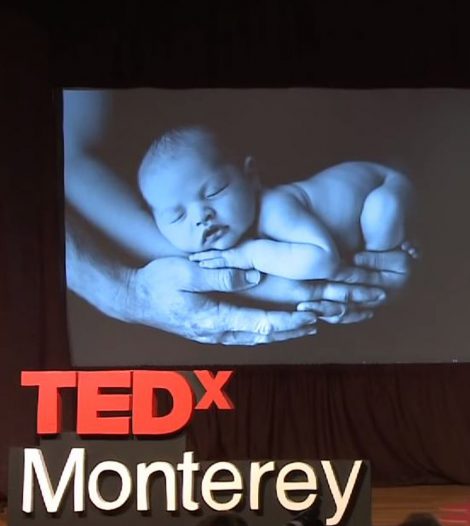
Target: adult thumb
221	280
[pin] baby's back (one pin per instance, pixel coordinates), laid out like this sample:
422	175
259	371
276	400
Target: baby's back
336	196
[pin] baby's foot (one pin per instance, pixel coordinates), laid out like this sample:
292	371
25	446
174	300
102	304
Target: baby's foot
410	249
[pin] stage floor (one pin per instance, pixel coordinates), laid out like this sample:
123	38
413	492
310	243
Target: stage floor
390	506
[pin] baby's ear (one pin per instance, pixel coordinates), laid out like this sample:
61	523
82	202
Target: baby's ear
250	171
249	166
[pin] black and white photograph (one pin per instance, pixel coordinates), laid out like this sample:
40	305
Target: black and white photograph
265	226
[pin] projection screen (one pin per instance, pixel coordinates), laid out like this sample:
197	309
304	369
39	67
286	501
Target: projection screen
266	226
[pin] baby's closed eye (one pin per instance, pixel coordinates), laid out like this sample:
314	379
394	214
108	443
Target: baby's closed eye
213	190
172	216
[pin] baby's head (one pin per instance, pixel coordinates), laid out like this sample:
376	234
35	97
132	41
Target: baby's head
199	198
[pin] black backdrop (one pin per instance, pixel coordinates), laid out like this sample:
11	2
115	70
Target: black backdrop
411	421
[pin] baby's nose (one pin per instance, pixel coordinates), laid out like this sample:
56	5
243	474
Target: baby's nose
205	215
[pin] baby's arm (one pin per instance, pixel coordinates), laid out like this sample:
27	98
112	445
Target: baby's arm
299	247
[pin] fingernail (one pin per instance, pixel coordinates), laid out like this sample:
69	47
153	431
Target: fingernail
253	276
312	331
382	296
301	307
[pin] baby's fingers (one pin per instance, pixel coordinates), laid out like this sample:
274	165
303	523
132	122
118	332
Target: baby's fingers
208	254
213	263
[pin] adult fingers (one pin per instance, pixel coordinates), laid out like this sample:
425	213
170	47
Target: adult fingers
392	261
387	279
241	319
252	338
358	275
246	338
351	316
345	293
335	313
322	308
197	279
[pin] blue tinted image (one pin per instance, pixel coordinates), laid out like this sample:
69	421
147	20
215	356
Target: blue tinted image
217	212
220	229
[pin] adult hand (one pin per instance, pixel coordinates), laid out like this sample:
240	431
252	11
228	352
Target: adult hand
334	302
388	270
168	294
342	302
357	290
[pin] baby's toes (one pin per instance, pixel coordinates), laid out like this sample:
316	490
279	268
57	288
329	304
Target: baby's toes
405	246
410	249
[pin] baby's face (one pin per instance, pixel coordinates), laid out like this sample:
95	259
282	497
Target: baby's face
199	204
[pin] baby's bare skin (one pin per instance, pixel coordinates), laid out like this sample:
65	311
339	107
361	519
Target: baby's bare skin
307	225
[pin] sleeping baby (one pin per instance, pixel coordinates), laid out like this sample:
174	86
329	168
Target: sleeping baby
215	210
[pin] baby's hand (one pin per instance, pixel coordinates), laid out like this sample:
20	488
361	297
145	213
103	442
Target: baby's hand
233	258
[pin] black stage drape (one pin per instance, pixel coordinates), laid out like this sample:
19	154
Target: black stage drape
411	421
32	291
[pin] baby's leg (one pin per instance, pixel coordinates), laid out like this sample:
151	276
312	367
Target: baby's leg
383	217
